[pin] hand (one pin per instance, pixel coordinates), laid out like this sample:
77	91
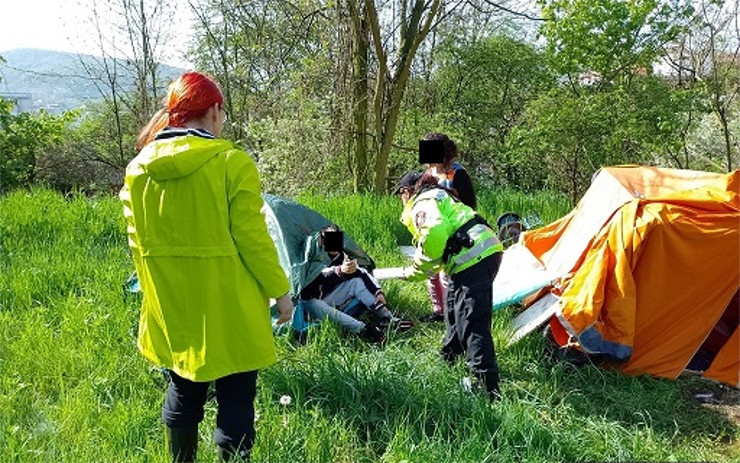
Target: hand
348	267
380	298
438	171
285	308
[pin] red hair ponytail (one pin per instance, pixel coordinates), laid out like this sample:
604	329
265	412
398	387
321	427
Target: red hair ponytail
188	98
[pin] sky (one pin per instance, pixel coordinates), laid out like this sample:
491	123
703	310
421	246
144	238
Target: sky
61	25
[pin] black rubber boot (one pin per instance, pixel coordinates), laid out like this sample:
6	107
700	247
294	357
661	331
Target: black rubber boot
182	443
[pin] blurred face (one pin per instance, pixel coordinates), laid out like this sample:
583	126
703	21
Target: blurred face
220	119
405	195
436	169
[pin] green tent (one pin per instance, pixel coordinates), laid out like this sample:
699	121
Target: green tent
294	229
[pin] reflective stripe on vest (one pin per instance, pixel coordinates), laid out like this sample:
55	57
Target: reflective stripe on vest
477	249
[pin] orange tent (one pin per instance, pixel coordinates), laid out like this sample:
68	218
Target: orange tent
651	259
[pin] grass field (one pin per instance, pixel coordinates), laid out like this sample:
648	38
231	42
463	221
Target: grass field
73	387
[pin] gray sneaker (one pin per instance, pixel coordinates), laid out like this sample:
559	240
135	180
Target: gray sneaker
467	384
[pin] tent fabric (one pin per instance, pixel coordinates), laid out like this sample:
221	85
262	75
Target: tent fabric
294	229
725	368
651	282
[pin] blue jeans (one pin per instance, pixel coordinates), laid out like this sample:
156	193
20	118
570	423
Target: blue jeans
318	310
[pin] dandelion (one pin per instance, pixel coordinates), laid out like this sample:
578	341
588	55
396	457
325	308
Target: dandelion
285	401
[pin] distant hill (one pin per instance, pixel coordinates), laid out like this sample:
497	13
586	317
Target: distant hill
56	81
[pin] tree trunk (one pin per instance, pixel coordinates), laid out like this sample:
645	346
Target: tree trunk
722	115
360	92
389	90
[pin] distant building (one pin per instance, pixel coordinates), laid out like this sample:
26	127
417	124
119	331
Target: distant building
23	101
589	78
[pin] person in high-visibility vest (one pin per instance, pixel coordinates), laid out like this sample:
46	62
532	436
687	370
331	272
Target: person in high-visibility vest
450	236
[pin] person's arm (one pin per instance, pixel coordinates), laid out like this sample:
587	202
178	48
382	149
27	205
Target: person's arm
248	226
463	184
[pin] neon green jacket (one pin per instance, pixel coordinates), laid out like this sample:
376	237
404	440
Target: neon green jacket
206	263
432	216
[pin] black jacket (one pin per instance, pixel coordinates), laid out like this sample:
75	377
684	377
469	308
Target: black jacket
331	277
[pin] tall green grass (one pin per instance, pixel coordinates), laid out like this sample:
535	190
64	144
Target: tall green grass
73	387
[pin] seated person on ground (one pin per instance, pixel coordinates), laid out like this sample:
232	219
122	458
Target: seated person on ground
343	291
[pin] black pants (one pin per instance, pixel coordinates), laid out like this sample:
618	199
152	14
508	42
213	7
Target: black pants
185	399
468	316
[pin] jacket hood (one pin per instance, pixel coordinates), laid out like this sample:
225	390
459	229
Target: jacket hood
177	157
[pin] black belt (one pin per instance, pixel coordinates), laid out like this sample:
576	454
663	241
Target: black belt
460	239
476	220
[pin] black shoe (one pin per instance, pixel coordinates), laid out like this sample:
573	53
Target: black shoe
491	383
478	385
373	335
240	456
402	325
398	324
433	317
300	337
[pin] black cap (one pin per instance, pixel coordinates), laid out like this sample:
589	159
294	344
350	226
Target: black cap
408	180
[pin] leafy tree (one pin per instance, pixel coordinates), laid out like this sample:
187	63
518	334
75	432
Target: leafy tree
282	78
609	108
564	137
360	52
336	70
23	137
256	51
705	58
611	38
87	158
414	23
483	89
130	36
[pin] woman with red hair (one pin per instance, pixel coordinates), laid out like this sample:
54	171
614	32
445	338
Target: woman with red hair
206	264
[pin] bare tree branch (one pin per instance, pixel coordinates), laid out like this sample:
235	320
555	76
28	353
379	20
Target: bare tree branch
498	6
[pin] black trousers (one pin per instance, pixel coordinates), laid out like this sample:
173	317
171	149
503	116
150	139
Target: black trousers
468	316
185	400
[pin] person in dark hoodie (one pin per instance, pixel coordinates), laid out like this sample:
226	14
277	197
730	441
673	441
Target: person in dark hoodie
452	176
333	292
206	264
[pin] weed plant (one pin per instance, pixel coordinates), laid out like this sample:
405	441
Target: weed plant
73	387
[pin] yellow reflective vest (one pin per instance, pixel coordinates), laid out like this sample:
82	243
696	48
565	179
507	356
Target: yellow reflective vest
206	263
433	216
